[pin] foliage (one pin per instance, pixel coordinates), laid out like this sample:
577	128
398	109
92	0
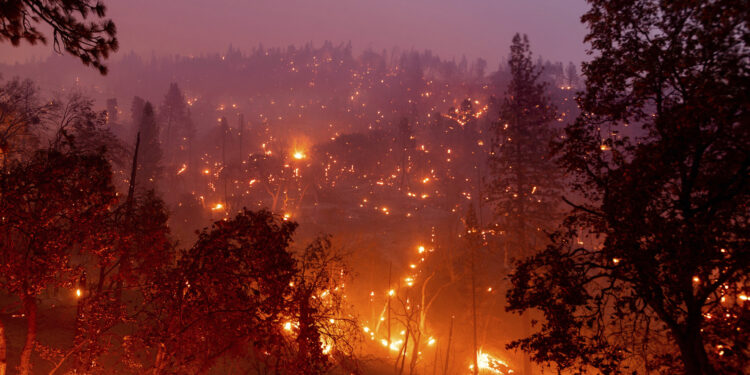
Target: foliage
72	29
661	157
21	116
226	292
52	208
150	152
525	182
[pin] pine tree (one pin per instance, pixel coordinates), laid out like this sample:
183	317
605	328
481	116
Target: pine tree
523	186
150	154
174	118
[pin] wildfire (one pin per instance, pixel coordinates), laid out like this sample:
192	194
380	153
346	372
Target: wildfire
182	169
299	155
489	364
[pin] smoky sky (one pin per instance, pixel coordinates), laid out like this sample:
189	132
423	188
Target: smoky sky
449	28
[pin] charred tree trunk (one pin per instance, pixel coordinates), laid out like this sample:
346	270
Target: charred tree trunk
30	308
448	349
474	312
693	352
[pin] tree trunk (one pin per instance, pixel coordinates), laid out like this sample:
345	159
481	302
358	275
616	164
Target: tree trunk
3	345
159	361
30	308
526	333
693	354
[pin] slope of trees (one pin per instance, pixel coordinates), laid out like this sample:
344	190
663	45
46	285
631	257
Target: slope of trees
661	158
238	292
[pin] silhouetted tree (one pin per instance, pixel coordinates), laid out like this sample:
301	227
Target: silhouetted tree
225	295
660	286
174	117
138	252
21	116
52	208
72	30
77	122
323	329
136	112
571	74
150	154
524	185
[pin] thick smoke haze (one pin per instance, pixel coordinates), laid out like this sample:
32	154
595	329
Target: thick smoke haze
450	28
374	187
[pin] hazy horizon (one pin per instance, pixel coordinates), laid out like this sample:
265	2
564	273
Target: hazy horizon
450	29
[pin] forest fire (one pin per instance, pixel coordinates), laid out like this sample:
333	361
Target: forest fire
488	364
351	208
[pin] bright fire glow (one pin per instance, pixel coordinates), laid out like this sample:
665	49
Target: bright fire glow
182	169
489	364
299	155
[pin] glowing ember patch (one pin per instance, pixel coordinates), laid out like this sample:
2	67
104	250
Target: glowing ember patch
299	155
182	169
78	293
489	364
218	206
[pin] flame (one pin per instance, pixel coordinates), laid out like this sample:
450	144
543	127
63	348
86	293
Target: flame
182	169
490	364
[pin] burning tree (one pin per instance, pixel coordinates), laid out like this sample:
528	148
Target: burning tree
662	286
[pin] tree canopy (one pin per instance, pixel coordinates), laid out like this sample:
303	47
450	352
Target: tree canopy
650	271
78	27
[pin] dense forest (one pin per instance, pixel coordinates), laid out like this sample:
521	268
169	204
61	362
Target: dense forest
314	210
